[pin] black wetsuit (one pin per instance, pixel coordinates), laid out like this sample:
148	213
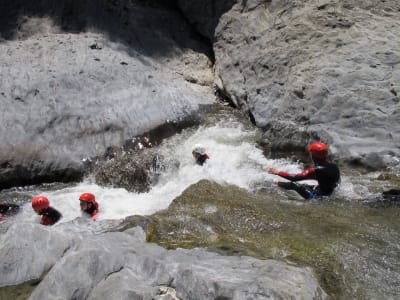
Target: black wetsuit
50	216
201	159
326	173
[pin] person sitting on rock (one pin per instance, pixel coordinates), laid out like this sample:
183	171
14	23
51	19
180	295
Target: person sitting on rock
41	206
89	205
325	172
200	155
8	209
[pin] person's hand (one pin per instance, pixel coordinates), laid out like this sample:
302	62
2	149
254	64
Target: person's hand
273	171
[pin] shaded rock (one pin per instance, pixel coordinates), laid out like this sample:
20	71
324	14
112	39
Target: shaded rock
392	194
285	137
205	15
119	266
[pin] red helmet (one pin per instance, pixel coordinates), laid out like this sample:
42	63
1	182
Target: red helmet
318	150
40	202
88	197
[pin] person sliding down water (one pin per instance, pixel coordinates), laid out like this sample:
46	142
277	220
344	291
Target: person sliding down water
89	205
325	172
200	155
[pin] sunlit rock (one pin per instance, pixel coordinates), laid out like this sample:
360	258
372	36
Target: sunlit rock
118	266
330	68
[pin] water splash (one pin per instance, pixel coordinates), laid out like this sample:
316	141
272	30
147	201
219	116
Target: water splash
234	159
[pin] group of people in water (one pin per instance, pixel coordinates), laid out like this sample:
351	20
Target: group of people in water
325	172
50	215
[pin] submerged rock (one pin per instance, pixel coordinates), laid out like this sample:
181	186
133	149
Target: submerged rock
390	198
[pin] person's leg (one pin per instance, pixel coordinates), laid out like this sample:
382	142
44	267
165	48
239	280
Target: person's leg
306	191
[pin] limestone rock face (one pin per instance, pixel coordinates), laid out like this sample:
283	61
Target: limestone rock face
331	68
121	266
86	77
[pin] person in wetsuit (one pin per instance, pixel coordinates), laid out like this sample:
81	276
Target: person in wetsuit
325	172
89	205
200	155
8	209
41	206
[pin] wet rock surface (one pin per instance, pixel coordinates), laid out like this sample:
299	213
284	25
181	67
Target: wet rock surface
130	170
328	235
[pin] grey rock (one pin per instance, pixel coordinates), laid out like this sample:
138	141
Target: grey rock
118	266
330	68
90	76
38	256
130	170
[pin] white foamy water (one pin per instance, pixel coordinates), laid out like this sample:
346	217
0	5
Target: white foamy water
234	159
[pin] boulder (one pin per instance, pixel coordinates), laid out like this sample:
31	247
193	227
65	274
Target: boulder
82	76
121	266
323	70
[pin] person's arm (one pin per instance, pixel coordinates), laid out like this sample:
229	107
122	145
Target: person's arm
308	174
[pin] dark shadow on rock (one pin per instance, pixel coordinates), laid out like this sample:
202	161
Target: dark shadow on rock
150	27
20	175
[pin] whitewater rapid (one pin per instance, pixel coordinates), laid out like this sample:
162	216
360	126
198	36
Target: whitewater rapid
234	159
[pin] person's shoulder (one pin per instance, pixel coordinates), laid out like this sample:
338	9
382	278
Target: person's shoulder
53	211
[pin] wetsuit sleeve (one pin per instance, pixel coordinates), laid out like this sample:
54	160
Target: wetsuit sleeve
308	174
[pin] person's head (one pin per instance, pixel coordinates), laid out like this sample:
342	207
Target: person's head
88	202
198	150
318	151
40	203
